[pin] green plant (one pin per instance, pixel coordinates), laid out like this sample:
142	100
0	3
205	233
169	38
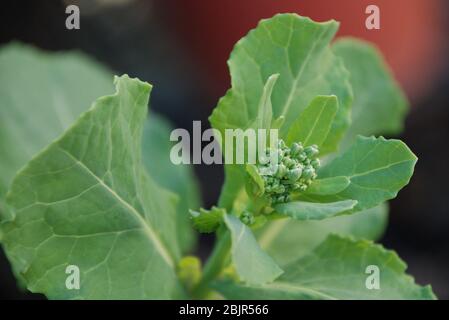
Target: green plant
94	198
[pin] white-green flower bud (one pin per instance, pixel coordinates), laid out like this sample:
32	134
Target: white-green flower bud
289	163
302	156
247	218
281	144
308	172
281	171
294	174
296	149
279	189
311	151
315	163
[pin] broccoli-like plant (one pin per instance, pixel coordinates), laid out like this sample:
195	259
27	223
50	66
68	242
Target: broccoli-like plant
78	190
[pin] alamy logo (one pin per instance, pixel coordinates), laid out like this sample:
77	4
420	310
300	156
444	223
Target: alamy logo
72	281
372	22
73	20
372	282
240	146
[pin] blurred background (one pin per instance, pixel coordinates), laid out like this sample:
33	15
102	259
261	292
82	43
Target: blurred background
181	47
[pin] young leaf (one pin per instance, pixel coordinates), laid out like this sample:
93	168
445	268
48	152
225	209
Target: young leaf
337	269
314	123
300	210
207	221
377	168
235	174
256	183
379	104
278	122
280	238
87	201
328	186
253	265
41	94
264	111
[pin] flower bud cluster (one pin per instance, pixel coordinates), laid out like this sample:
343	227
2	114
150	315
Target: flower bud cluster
294	170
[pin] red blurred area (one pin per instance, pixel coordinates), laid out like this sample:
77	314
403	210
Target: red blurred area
411	35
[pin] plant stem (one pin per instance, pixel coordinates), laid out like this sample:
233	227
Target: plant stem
256	206
214	264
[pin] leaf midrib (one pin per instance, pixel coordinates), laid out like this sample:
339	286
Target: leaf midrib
386	167
286	106
317	119
149	232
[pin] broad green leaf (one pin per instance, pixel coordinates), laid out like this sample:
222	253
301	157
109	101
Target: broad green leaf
379	104
287	240
265	111
314	123
301	210
207	221
328	186
337	269
41	94
253	265
377	168
179	179
59	87
297	49
87	201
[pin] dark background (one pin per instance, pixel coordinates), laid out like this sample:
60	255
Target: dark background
181	47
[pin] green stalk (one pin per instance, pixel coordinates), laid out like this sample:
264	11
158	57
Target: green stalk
214	264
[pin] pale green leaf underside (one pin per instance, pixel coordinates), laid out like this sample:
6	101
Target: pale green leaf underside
336	270
314	123
86	200
41	94
287	240
377	168
379	105
253	265
301	210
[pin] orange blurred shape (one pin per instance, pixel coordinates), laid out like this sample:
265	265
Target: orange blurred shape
411	35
